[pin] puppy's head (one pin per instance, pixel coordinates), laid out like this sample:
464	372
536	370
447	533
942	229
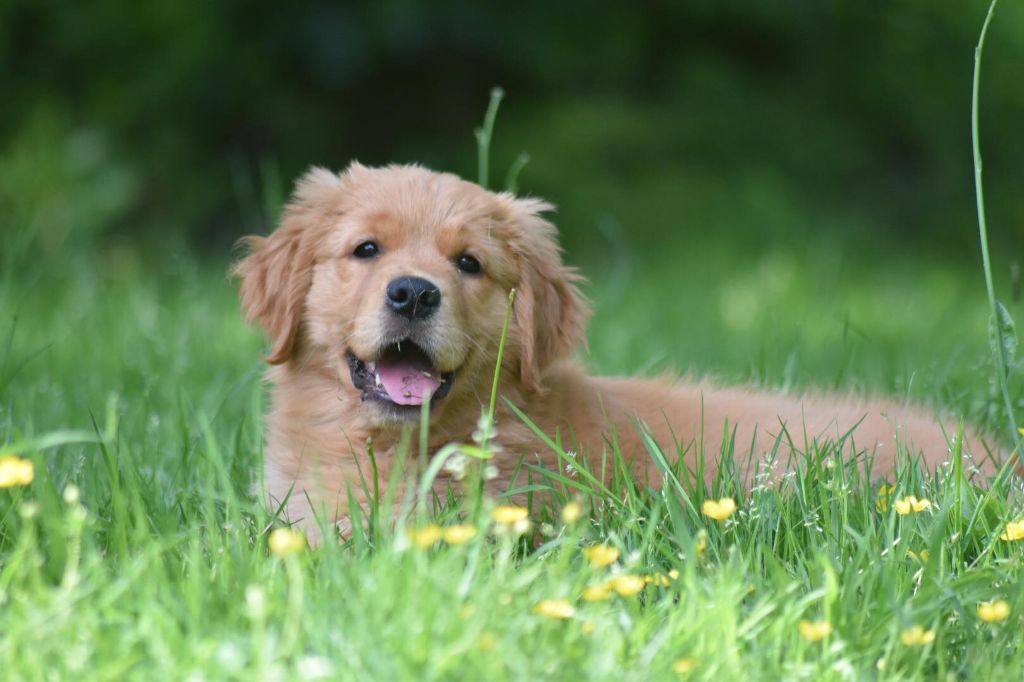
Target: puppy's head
398	278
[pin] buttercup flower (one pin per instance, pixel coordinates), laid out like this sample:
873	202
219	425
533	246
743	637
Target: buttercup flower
911	505
599	592
719	510
814	630
600	556
994	611
683	666
658	579
15	471
627	585
521	526
882	502
702	542
559	609
285	541
426	536
1014	531
457	534
486	642
921	556
571	513
507	514
917	636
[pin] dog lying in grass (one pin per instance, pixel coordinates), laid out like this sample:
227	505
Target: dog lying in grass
385	288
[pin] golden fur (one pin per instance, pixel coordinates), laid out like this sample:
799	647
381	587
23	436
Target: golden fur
317	303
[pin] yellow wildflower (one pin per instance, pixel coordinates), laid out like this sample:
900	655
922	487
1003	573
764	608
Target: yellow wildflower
520	527
719	510
917	636
600	556
994	611
626	585
459	533
285	541
683	666
814	630
555	608
426	536
1014	531
657	579
882	502
509	515
571	513
921	556
911	505
599	592
15	471
673	574
588	627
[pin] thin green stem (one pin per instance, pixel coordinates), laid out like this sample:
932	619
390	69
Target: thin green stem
484	135
501	354
1000	352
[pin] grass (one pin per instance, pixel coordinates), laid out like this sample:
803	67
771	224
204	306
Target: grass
159	568
138	551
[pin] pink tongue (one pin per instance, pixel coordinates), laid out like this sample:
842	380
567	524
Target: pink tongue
408	382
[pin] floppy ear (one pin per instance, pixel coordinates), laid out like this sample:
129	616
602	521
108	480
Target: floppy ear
550	311
277	273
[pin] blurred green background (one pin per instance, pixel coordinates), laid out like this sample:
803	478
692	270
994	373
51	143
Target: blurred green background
772	192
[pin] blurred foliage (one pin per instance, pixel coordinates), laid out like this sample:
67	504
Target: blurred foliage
184	122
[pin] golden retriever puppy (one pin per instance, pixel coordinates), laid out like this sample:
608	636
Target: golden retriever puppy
383	287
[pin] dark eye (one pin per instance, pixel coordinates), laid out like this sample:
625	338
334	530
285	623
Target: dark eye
367	250
468	264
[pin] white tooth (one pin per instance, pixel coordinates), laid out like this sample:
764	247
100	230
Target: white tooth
376	378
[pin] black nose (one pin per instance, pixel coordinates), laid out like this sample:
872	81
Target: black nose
413	297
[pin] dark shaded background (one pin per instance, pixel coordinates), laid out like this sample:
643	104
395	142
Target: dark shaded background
183	123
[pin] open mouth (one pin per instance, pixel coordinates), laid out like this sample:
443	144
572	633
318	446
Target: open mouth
403	375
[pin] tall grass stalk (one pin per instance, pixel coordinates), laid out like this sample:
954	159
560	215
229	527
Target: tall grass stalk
996	316
484	134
